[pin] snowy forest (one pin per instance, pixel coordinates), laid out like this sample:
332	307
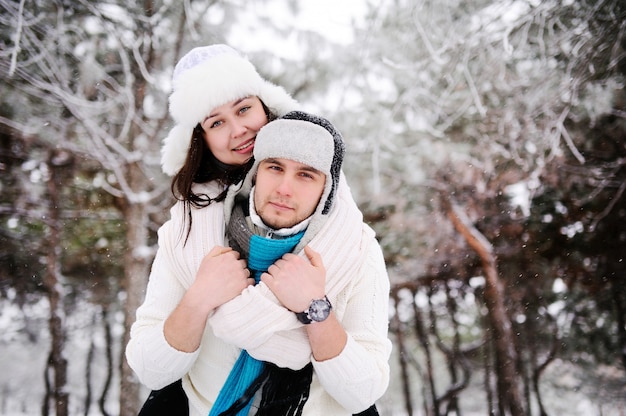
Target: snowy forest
486	145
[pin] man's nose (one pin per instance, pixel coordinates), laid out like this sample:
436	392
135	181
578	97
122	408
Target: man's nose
285	187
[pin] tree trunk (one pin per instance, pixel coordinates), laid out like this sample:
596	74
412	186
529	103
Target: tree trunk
136	269
426	345
109	356
57	362
402	355
487	360
619	300
136	261
88	368
494	299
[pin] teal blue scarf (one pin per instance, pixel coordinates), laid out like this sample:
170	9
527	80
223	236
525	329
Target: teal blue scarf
261	253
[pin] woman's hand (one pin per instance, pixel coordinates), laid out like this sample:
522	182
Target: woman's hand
222	276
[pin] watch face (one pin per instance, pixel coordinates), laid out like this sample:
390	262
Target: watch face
319	310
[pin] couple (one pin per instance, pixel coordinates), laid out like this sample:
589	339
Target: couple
291	318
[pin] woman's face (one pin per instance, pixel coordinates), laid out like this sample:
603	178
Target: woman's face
230	129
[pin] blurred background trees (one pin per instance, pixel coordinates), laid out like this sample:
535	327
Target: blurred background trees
486	144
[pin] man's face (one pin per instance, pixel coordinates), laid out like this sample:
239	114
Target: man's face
286	192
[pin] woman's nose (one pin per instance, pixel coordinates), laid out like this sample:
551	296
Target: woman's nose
238	129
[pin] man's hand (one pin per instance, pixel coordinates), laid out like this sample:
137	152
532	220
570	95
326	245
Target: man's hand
296	281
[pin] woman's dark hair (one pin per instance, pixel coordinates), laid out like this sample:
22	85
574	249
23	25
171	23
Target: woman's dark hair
202	166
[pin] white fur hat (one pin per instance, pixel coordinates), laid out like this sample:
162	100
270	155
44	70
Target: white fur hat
205	78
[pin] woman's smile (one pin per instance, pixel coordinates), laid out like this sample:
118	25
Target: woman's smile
246	147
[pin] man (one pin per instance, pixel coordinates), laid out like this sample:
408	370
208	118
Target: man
313	331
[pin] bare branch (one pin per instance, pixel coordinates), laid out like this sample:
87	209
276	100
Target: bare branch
18	36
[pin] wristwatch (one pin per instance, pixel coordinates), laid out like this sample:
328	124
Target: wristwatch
318	311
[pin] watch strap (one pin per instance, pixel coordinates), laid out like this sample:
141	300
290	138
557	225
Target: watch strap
304	317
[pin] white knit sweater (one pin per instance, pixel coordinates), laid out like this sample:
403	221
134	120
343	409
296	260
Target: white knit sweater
357	286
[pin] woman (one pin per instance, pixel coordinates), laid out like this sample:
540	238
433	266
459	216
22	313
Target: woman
219	103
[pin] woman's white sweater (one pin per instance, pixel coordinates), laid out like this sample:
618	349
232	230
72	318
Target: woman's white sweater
357	286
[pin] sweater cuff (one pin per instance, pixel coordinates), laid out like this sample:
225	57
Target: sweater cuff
161	364
351	378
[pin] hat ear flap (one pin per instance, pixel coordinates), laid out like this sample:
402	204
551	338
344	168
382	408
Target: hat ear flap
175	148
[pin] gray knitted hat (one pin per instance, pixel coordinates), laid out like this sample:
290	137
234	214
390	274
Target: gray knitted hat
304	138
205	78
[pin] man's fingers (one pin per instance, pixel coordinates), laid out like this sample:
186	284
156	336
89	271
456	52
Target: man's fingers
314	256
267	279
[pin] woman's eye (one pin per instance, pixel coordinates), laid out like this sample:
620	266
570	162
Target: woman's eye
215	124
244	109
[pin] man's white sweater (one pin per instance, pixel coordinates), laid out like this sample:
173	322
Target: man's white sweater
357	286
